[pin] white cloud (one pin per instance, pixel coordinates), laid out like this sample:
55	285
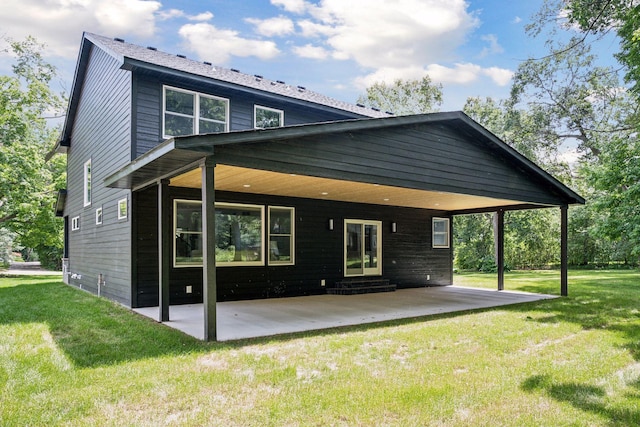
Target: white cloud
60	23
501	76
516	20
461	74
165	15
314	29
493	48
218	45
311	51
379	33
294	6
279	26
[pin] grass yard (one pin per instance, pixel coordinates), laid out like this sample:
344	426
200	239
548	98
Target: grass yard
69	358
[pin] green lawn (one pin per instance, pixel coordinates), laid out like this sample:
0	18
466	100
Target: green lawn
69	358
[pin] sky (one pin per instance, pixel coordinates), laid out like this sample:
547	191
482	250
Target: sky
335	47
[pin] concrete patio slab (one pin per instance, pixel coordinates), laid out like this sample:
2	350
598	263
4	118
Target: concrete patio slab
266	317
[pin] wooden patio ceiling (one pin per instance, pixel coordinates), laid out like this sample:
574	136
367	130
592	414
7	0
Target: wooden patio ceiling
244	180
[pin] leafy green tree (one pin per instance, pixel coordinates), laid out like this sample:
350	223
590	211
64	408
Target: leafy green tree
27	183
404	97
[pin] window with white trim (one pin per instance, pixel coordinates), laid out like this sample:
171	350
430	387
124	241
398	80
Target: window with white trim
265	117
87	183
122	209
440	232
191	113
75	223
99	216
240	231
187	226
281	235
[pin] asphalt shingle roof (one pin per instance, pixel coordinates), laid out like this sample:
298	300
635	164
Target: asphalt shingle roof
121	49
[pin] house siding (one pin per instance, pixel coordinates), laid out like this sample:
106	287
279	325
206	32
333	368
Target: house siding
148	108
408	257
397	157
101	132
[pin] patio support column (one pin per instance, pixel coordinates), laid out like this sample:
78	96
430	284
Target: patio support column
500	247
209	287
164	249
564	251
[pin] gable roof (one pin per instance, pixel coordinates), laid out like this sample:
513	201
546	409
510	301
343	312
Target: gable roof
179	154
132	56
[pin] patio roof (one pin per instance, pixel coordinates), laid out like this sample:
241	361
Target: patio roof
178	159
267	317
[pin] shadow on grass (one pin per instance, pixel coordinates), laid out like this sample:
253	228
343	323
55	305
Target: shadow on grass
91	331
587	398
606	301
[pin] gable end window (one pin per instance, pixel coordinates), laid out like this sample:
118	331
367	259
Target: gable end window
440	232
190	113
99	216
87	183
265	117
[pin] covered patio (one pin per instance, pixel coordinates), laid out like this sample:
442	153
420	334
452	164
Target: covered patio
275	316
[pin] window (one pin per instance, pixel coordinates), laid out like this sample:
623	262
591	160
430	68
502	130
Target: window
122	209
187	222
87	183
189	113
265	117
281	233
440	232
99	216
75	223
239	231
239	234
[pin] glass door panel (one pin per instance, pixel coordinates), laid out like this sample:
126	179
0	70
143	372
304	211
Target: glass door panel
363	248
353	249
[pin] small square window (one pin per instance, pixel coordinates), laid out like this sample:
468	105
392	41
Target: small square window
440	232
99	216
75	223
265	117
122	209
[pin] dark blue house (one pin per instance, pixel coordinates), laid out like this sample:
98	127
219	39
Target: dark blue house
187	183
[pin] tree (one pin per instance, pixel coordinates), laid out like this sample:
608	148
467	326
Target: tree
28	184
404	97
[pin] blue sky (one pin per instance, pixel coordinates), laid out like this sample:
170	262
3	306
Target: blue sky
336	47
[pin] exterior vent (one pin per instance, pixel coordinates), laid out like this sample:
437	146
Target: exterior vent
280	81
235	70
360	105
375	109
302	88
206	63
151	48
258	76
273	83
118	39
181	56
389	113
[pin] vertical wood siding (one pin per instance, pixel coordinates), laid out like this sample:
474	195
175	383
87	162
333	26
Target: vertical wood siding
101	133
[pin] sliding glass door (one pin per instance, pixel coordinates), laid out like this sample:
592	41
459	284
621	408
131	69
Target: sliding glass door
362	248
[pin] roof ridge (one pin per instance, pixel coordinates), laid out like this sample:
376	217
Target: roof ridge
151	55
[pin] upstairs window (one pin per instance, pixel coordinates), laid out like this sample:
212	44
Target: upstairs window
87	183
190	113
265	117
